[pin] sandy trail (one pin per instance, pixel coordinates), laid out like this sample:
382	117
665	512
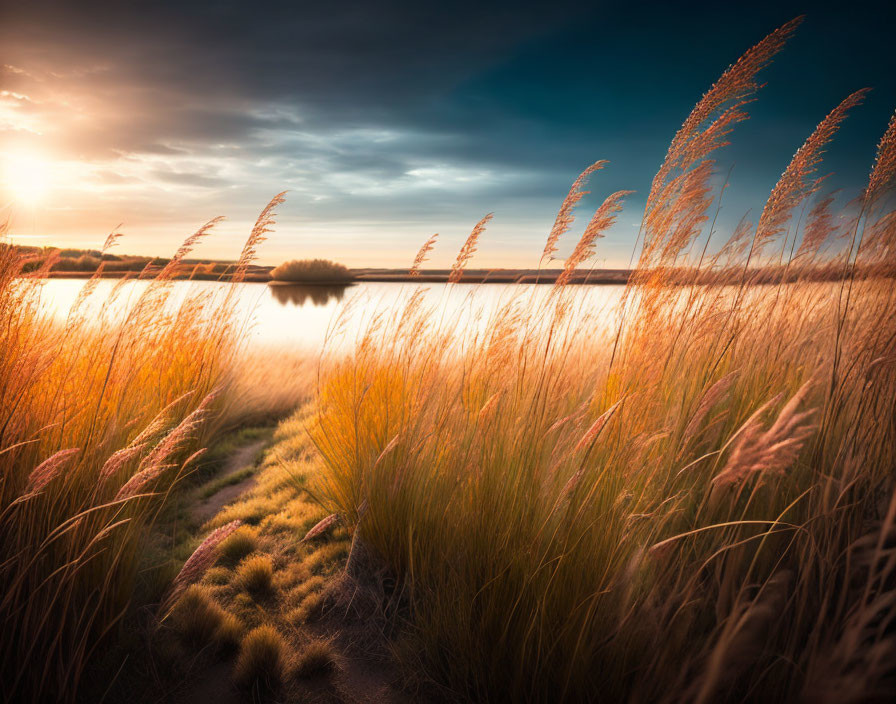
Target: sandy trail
206	509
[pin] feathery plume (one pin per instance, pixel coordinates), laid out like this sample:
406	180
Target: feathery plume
603	219
819	227
112	239
201	559
737	83
879	240
195	456
468	250
597	426
883	173
682	222
771	451
575	415
488	406
181	434
391	445
135	484
321	527
47	470
565	215
161	419
694	142
119	459
88	288
188	246
737	244
796	183
712	396
421	255
262	226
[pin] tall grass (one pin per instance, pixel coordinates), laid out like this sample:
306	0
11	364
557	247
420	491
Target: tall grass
695	504
100	416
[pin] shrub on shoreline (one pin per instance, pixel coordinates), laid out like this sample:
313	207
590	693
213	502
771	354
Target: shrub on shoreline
311	271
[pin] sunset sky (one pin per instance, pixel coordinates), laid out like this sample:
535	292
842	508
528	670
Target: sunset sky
388	122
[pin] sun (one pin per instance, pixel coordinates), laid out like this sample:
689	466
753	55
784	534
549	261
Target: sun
26	176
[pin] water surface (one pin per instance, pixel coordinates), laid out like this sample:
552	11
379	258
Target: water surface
305	316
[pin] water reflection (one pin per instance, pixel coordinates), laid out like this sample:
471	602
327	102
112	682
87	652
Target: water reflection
299	294
303	317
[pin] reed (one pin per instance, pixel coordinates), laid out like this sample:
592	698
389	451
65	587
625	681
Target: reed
100	418
695	504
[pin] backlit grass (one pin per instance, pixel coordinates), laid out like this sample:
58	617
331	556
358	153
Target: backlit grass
101	415
692	503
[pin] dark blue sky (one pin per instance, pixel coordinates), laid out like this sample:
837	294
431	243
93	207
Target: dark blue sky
390	121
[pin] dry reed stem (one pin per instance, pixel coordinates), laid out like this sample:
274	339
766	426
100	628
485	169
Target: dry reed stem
421	255
321	527
772	451
468	250
565	216
198	563
796	182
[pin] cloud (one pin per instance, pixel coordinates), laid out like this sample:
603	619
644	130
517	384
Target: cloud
411	116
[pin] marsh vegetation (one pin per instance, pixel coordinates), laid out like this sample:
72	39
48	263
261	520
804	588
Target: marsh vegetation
692	500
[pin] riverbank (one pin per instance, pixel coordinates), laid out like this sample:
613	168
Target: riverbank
264	620
594	277
471	276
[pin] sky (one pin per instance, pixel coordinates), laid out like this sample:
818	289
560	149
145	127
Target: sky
390	121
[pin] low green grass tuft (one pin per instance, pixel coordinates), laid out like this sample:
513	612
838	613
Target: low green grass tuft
215	486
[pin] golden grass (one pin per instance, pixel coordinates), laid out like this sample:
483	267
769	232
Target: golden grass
261	664
255	575
241	543
263	575
100	418
694	506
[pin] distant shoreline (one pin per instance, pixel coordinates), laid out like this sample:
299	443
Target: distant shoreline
471	276
594	277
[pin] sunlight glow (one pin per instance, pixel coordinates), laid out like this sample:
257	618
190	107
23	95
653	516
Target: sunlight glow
26	177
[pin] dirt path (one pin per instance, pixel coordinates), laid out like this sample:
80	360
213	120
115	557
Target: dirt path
205	509
360	678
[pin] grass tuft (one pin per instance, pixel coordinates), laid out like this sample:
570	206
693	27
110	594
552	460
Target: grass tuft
229	633
261	661
255	574
196	616
238	545
316	658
